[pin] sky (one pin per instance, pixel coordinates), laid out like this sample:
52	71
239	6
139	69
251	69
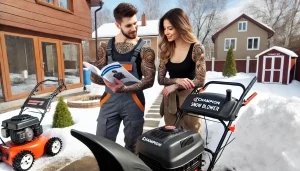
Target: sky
233	9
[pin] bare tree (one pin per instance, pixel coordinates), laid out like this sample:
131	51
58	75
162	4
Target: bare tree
103	16
292	22
205	15
281	15
152	8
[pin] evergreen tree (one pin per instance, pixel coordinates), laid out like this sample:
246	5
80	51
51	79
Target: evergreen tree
230	65
62	116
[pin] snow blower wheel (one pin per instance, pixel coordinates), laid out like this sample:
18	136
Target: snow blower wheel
53	146
23	161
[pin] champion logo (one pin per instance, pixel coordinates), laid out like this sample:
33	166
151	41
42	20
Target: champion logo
35	102
195	99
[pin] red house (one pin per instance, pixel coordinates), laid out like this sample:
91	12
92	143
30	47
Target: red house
276	65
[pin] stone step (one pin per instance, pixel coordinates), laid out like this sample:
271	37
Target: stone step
153	116
151	123
153	111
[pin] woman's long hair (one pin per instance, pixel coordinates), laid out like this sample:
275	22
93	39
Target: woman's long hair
180	21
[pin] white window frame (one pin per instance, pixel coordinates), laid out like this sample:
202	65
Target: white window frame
258	43
148	42
242	22
235	39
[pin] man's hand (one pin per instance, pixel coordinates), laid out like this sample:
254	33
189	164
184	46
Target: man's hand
185	82
169	89
114	87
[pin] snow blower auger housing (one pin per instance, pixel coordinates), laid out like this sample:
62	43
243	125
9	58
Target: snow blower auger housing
25	131
172	148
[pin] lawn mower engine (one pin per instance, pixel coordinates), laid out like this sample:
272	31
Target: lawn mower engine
21	128
169	148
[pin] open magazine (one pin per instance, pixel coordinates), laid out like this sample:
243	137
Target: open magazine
112	71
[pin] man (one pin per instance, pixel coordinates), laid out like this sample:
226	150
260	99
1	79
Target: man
118	75
125	102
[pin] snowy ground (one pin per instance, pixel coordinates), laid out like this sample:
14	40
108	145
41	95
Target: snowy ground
266	133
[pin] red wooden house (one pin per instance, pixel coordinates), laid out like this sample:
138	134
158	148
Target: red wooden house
41	39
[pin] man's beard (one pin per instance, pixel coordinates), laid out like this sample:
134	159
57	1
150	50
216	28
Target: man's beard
130	35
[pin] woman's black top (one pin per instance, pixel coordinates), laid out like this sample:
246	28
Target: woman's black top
185	69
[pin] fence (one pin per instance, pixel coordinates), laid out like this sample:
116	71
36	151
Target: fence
242	65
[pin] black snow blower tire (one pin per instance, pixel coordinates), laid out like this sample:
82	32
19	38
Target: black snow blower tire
23	161
53	146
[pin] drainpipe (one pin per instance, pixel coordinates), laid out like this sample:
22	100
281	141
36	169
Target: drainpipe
96	29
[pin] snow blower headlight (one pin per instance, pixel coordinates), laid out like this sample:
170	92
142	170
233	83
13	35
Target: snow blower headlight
5	132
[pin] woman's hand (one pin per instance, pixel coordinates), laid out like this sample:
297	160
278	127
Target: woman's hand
169	89
185	82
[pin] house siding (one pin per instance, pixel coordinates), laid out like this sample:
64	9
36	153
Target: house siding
28	14
241	45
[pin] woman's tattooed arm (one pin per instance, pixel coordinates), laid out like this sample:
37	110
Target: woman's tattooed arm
200	69
101	61
162	71
148	70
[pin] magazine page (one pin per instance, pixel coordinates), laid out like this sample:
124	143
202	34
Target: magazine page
116	70
93	68
111	71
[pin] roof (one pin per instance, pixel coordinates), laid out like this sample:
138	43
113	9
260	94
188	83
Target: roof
259	24
108	30
280	49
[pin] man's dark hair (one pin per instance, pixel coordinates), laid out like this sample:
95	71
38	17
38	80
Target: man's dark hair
124	10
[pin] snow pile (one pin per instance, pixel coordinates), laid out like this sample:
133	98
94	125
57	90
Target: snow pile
267	137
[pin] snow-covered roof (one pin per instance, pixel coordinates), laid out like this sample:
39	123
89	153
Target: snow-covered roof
280	49
110	29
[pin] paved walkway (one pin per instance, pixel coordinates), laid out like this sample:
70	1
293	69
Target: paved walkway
152	120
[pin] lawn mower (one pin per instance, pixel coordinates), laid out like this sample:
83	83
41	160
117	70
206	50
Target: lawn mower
170	147
25	132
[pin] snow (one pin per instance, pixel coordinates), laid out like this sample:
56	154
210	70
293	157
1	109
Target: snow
110	29
266	135
280	49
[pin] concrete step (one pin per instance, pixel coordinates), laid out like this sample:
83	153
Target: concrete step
151	123
152	116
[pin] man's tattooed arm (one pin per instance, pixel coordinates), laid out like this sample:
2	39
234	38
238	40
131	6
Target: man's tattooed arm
162	71
148	70
101	61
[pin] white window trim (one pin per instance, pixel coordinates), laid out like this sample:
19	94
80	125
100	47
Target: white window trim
234	49
148	40
258	43
242	26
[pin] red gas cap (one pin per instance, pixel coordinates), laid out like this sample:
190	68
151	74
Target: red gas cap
170	127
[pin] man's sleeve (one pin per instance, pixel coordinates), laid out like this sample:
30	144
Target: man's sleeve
100	62
148	70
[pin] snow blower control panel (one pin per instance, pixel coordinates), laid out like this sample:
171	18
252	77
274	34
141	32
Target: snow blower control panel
216	105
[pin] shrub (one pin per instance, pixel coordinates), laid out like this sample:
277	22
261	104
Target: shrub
230	65
62	116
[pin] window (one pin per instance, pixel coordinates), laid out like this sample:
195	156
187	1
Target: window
242	26
148	42
228	42
64	5
253	43
71	63
22	74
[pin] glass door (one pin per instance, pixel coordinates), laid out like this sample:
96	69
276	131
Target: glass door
50	64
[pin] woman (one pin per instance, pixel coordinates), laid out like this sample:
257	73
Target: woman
183	58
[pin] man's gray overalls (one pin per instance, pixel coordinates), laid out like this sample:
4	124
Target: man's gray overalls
128	107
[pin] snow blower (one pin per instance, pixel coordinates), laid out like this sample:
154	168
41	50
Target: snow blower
172	148
25	132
